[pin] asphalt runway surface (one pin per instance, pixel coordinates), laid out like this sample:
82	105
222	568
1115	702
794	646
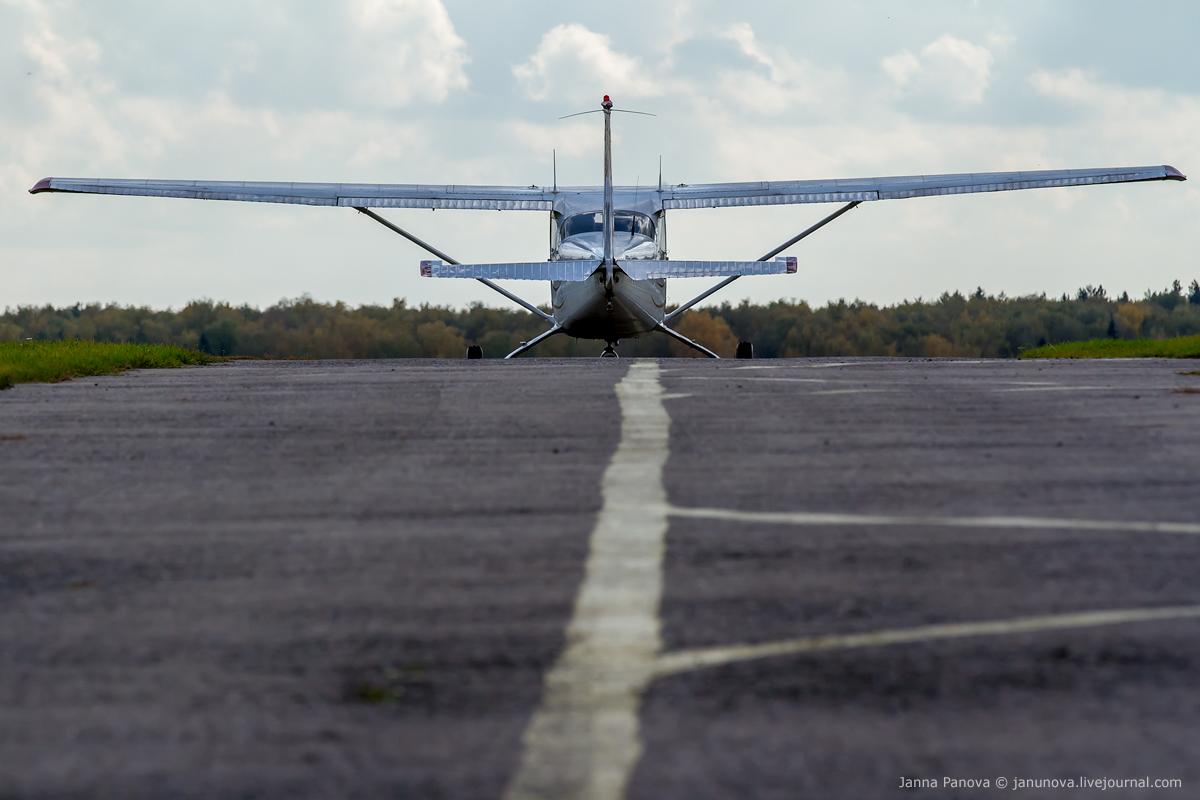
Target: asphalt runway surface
598	578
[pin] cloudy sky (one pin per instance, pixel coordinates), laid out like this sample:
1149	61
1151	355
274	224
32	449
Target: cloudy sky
463	92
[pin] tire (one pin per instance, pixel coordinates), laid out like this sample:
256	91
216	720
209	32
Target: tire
745	350
474	351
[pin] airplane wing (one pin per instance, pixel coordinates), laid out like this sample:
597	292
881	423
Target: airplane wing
542	198
348	195
767	193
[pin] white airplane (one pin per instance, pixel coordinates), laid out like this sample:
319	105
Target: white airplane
608	264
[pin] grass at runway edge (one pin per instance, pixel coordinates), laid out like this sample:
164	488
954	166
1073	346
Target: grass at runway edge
1179	347
24	362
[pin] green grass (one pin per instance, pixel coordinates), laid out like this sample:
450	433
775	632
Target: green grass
1179	347
23	362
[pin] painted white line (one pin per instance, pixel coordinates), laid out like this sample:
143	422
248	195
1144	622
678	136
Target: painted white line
685	660
1052	388
807	518
583	741
835	364
801	366
677	395
852	391
894	360
751	378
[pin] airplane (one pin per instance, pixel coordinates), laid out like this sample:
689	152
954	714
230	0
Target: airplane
608	264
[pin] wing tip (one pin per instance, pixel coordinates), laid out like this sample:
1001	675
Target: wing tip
41	186
1174	174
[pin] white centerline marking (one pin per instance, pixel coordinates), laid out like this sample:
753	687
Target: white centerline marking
810	518
583	741
685	660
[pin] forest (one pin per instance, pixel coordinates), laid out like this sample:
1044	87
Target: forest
977	325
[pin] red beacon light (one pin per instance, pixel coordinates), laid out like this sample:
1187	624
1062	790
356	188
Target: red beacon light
607	103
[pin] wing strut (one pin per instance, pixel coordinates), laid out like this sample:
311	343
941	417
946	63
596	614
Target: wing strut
396	228
813	229
685	340
535	340
767	257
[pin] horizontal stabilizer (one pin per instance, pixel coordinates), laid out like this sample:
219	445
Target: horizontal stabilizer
521	271
582	270
645	270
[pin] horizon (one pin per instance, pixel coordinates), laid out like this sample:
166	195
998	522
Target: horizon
1148	295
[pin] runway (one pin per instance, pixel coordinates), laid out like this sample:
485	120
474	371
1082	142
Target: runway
577	578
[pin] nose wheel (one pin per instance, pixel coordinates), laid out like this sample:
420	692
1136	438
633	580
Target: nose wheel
610	350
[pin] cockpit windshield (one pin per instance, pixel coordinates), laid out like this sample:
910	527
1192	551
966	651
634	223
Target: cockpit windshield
593	222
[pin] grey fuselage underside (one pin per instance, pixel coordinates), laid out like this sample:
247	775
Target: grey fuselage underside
582	309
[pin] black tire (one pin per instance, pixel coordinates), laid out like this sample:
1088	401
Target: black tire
745	350
474	351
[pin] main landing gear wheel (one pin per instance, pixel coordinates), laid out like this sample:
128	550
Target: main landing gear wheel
745	350
474	351
610	350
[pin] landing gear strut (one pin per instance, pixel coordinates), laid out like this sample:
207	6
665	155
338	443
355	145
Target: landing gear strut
610	350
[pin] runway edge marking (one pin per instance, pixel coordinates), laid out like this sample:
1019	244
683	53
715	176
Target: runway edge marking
701	658
583	741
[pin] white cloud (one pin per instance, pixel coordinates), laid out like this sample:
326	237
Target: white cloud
409	49
78	113
1140	126
950	67
788	83
572	61
902	67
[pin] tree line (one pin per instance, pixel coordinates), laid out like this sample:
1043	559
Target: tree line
976	325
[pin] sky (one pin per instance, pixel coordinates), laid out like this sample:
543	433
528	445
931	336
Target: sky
464	92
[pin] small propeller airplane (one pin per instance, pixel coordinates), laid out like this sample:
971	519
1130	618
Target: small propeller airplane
608	264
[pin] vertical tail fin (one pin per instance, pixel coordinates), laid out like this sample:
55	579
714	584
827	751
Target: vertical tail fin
608	197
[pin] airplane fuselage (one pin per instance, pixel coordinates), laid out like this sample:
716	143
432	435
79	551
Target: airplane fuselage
591	309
